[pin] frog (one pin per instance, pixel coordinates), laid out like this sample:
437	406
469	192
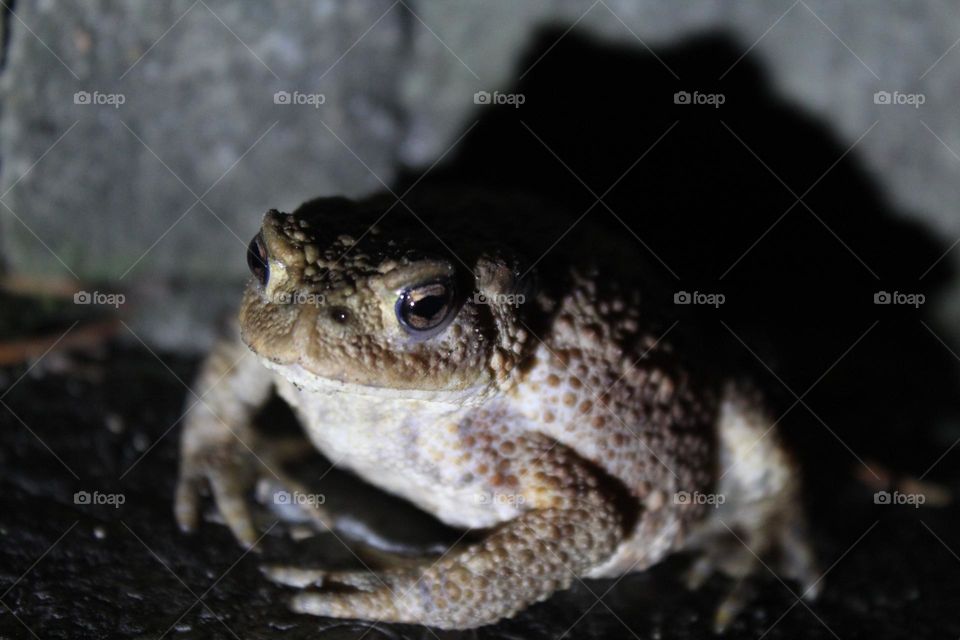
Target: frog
509	369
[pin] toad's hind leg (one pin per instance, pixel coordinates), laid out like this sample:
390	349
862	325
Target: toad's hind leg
759	521
570	526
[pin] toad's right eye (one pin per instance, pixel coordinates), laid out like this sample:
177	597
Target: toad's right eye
426	310
257	260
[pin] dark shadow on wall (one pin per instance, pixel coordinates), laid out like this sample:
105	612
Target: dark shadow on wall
706	192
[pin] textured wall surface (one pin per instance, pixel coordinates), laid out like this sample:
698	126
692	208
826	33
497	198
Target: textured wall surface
164	181
161	178
828	57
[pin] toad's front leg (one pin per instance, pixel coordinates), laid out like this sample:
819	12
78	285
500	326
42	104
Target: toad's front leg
570	524
221	451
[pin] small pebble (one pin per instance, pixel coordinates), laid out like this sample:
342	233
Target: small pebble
141	442
301	532
114	423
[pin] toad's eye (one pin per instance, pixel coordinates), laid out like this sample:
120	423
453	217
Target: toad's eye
425	310
257	260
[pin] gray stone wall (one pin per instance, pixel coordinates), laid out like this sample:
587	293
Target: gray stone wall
141	141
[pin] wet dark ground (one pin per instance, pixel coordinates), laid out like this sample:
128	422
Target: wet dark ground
109	424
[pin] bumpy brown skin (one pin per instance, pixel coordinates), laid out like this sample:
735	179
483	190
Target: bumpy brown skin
550	409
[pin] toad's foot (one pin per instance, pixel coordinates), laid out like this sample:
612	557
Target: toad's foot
230	467
363	579
786	553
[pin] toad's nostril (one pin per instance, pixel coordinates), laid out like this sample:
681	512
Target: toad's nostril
340	315
257	259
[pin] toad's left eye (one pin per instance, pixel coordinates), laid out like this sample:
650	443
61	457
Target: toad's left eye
257	260
425	310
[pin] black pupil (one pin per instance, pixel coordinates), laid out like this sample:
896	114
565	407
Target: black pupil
257	259
426	306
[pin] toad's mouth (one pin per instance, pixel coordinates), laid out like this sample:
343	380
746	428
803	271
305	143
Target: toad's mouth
310	382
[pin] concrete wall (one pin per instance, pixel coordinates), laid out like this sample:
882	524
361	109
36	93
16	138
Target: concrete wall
162	192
